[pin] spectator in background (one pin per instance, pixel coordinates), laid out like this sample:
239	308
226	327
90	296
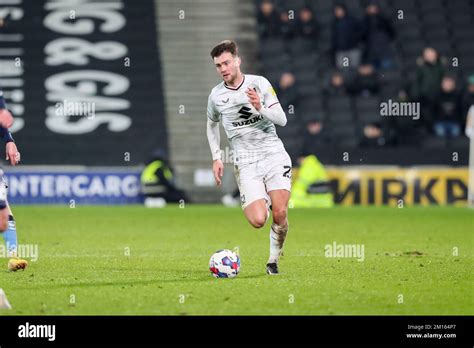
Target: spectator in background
374	135
287	26
306	26
157	182
426	87
366	81
468	96
378	34
447	115
268	20
287	90
315	136
346	36
336	86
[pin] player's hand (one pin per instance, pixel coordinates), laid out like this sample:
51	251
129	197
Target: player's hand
12	153
6	118
218	170
254	99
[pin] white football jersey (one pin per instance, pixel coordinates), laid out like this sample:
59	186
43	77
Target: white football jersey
251	136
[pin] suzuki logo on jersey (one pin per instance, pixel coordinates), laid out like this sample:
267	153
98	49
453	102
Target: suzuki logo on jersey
245	113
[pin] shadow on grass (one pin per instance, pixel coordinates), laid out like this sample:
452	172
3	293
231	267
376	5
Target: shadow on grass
197	277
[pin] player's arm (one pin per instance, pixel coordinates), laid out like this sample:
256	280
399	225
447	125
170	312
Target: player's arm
6	118
272	109
214	139
11	151
6	121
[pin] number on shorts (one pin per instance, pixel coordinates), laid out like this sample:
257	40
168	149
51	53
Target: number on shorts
287	173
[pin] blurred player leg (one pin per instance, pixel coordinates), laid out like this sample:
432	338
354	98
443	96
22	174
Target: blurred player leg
10	238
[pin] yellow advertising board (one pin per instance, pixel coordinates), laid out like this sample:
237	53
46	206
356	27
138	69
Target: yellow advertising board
399	186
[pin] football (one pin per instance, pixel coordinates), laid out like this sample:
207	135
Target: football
224	264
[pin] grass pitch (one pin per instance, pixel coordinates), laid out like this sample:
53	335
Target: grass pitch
132	260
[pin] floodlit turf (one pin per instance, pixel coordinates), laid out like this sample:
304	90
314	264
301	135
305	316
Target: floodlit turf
83	267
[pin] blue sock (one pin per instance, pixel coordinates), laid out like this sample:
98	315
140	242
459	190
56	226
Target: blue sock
10	237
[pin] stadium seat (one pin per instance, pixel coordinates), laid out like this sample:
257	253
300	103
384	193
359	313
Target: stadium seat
459	6
336	103
462	19
367	104
272	46
294	5
340	116
365	118
281	62
409	34
438	19
405	5
309	105
342	134
431	6
437	34
304	90
301	46
305	61
306	76
463	34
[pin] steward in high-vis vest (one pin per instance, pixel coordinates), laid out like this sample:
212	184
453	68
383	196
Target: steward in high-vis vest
311	188
158	185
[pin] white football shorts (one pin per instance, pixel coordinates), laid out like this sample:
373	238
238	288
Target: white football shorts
258	178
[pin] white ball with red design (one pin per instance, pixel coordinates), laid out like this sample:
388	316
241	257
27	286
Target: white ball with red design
224	264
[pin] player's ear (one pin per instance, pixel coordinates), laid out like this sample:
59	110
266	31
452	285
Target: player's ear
237	62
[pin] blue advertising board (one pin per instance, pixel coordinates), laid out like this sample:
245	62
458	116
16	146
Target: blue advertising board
48	187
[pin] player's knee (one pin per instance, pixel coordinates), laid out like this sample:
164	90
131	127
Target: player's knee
258	221
279	215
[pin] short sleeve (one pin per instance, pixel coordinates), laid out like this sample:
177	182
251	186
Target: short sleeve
269	94
212	113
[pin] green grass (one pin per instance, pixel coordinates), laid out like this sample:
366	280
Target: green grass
82	257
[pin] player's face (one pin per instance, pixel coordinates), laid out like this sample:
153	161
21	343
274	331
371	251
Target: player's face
227	66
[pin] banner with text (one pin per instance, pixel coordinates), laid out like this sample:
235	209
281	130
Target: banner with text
399	186
83	80
73	188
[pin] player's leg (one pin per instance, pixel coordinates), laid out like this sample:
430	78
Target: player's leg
253	195
278	183
257	213
9	232
279	228
15	263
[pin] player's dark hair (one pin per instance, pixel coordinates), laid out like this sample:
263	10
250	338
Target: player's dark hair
225	46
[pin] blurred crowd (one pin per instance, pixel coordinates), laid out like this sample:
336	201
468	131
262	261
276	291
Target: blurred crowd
357	70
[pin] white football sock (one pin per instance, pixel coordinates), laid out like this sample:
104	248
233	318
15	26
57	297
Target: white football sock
277	239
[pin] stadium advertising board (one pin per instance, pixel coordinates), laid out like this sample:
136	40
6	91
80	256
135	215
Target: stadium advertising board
391	186
399	187
82	81
71	188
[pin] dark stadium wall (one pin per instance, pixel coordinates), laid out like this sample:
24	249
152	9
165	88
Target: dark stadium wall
91	80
